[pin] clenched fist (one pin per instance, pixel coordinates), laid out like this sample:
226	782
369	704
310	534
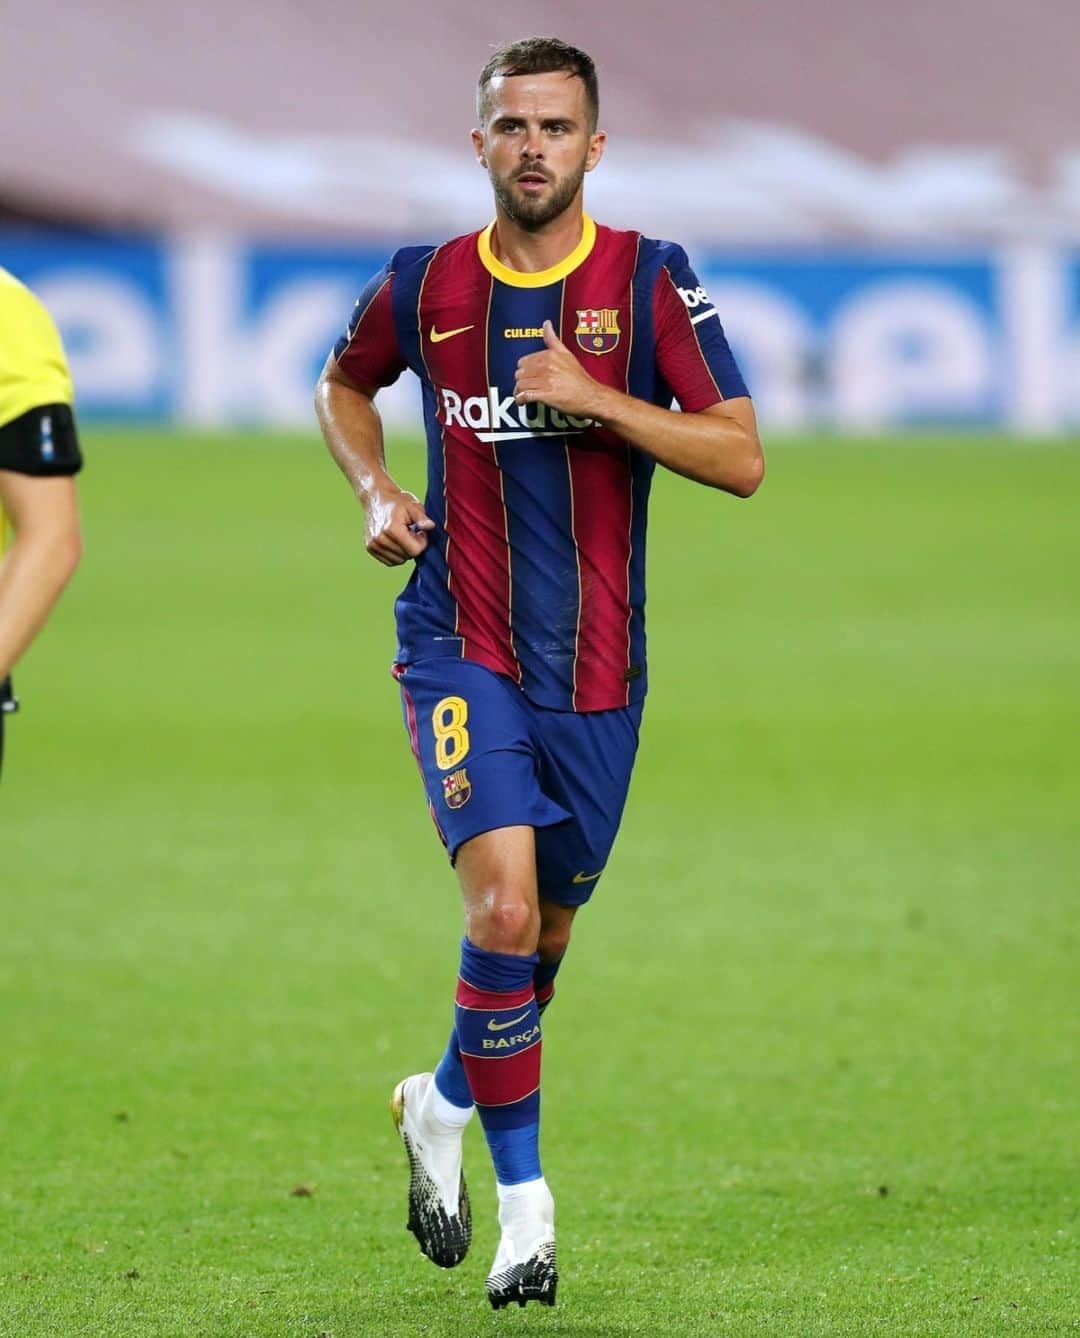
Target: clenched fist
396	526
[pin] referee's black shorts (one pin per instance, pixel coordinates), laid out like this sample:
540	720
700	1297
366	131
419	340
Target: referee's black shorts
8	704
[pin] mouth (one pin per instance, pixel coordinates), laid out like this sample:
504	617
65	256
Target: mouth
531	181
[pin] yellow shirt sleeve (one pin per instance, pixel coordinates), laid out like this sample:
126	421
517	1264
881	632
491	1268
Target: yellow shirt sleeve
33	369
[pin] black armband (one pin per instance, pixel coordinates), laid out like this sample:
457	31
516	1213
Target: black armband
41	442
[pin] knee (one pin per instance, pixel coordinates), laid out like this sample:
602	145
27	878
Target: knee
504	924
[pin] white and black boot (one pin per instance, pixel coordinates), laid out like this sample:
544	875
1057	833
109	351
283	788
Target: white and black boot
524	1268
439	1214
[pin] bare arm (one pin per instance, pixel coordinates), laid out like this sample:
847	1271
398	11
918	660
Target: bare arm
395	520
40	561
718	447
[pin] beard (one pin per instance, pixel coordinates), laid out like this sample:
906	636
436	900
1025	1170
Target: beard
529	212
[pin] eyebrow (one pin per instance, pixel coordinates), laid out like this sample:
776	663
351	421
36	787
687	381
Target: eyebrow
546	120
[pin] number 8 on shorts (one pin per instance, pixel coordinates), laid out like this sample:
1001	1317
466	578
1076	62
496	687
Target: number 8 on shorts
448	720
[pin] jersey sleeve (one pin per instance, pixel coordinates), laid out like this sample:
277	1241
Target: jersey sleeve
368	351
692	351
42	442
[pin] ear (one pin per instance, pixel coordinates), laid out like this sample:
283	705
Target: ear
477	138
596	150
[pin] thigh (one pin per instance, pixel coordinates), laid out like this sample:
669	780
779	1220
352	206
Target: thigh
469	733
586	761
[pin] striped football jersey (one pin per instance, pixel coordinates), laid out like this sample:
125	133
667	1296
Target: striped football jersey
536	567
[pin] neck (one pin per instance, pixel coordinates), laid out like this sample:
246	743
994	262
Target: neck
529	252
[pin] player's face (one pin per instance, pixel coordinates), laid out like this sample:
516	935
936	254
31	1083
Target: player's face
536	144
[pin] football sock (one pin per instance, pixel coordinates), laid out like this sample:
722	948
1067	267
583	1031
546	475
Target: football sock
544	982
451	1083
498	1032
453	1101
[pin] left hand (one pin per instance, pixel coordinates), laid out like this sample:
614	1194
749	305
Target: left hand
556	378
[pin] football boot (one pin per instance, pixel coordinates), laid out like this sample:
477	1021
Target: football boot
439	1214
524	1268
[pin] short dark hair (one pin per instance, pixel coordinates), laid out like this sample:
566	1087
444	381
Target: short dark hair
541	55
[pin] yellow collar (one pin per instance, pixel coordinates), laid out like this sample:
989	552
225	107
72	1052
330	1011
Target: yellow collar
541	278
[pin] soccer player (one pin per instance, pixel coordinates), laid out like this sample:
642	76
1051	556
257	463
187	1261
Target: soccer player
549	349
39	455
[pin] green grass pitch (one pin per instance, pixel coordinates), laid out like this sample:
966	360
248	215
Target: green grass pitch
811	1064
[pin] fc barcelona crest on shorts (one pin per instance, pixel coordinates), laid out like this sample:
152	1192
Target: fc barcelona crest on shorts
456	788
598	331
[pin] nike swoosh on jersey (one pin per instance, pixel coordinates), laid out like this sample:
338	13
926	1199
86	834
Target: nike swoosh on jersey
502	1026
437	336
586	877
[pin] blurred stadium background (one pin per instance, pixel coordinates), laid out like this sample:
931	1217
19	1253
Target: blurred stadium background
884	200
852	845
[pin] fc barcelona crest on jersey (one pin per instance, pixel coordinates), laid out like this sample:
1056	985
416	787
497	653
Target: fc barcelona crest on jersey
598	331
457	788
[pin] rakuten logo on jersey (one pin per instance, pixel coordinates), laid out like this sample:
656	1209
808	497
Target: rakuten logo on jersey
694	298
494	417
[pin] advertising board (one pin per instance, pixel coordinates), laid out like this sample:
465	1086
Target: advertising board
210	331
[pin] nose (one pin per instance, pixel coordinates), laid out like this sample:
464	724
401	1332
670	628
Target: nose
532	148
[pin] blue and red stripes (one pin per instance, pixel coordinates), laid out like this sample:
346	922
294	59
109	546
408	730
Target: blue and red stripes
536	565
498	1034
368	351
454	316
692	351
601	489
544	596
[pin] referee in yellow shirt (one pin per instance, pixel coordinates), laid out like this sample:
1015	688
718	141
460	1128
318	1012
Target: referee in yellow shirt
39	455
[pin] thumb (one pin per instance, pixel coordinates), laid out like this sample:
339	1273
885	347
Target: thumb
418	517
551	339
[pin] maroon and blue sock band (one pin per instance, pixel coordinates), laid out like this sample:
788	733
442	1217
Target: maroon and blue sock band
450	1075
497	1026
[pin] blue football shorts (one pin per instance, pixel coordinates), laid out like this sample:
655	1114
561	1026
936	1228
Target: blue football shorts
491	758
